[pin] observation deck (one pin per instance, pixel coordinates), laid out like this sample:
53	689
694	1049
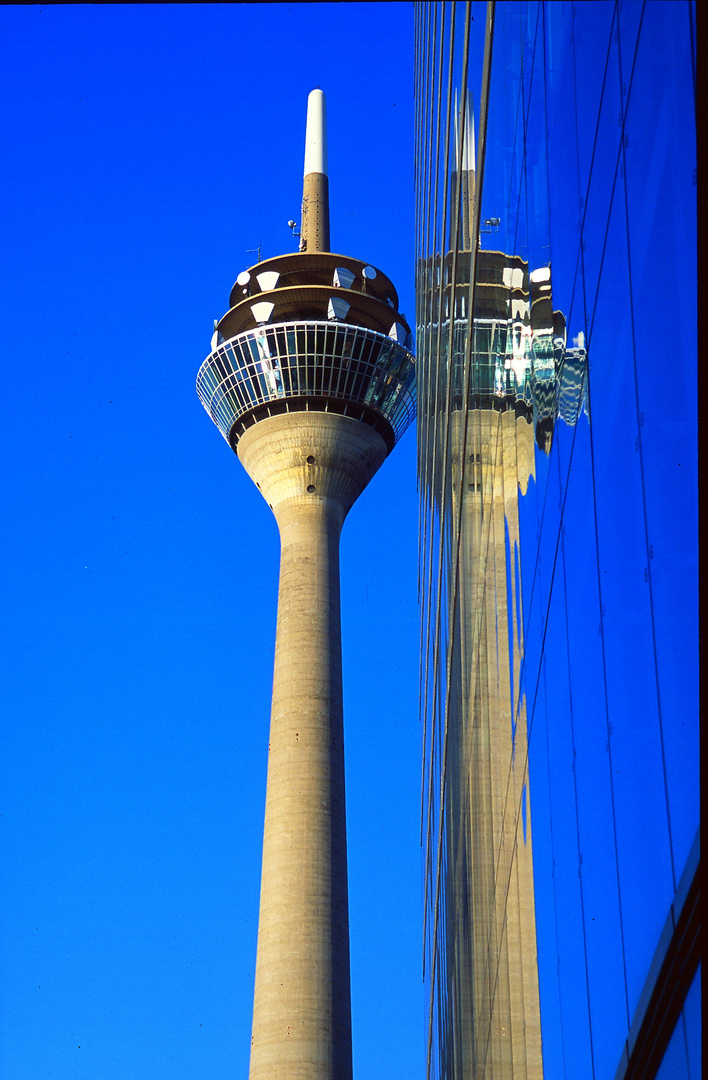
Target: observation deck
310	332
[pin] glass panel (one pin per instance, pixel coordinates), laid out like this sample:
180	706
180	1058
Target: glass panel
288	361
553	553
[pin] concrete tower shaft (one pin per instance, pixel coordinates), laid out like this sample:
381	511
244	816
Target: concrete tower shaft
310	467
308	458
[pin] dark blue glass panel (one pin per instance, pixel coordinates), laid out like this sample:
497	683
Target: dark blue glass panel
603	632
682	1059
590	168
692	1021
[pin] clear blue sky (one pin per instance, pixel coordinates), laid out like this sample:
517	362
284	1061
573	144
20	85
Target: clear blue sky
145	150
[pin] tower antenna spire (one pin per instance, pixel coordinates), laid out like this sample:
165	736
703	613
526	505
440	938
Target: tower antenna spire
315	188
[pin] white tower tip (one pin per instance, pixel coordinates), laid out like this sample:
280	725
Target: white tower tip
316	134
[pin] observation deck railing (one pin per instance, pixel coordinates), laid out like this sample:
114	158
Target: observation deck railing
322	361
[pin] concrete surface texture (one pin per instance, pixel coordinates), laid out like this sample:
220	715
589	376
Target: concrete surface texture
310	468
315	213
495	938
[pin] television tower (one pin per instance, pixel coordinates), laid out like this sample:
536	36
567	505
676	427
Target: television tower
311	383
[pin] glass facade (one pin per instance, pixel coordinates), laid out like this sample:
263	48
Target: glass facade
555	193
309	363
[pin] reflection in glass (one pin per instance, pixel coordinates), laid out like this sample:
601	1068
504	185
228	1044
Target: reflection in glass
557	450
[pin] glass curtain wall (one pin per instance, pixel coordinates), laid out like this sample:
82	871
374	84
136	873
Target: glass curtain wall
555	200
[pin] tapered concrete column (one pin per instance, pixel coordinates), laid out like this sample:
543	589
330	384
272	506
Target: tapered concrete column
302	1023
310	467
498	1024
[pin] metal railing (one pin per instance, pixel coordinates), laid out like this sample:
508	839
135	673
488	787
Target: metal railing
308	359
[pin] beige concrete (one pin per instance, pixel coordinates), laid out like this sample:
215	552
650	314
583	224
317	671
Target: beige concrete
465	228
494	913
314	229
302	1013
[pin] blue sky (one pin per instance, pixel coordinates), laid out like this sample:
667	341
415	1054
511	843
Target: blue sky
146	151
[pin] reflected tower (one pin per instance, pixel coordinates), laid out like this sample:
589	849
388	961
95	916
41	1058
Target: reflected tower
311	383
495	376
